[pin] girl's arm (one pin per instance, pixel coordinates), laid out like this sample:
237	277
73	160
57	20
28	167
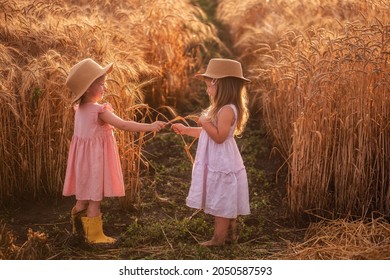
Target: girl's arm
186	130
112	119
220	132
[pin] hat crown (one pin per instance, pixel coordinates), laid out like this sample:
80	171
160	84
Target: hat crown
83	74
222	68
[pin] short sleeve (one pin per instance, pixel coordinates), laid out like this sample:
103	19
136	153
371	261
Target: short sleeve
103	108
106	107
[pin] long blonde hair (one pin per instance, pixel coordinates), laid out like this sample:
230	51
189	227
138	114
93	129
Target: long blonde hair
230	90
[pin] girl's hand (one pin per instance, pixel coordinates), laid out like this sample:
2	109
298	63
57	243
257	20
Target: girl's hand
178	128
186	130
158	125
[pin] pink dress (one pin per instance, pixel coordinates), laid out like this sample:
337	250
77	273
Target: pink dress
219	183
94	170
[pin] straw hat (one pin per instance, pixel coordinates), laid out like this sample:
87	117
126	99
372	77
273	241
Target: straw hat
83	74
222	68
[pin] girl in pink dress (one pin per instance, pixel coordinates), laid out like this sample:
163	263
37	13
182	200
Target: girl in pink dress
93	169
219	183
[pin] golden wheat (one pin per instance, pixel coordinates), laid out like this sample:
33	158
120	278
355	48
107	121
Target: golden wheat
320	72
155	46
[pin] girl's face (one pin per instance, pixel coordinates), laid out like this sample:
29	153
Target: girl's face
211	87
96	91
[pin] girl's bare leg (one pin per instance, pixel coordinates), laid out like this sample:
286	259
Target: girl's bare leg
221	227
80	205
233	230
78	211
93	208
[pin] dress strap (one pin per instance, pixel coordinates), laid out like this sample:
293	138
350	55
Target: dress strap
234	110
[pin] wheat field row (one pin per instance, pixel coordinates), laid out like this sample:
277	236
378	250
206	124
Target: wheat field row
321	72
154	45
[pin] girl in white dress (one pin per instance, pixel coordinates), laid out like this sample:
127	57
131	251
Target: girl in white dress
219	183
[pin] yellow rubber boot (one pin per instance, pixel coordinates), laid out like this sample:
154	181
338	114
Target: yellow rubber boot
77	227
93	230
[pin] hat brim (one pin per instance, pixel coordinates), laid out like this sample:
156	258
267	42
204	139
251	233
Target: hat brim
105	70
203	76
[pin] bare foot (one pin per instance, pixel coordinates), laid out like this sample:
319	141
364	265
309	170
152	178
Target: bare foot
232	239
211	243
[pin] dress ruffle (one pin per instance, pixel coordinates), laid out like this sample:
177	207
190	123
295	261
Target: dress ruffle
106	106
223	194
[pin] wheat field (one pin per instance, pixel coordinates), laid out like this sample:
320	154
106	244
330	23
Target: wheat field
154	45
321	80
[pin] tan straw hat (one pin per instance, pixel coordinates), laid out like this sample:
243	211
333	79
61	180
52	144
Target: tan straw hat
222	68
83	74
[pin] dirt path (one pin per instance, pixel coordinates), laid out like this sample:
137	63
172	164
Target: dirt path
161	226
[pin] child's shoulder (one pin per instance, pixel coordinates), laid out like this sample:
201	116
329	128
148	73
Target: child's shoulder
228	107
105	107
96	107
